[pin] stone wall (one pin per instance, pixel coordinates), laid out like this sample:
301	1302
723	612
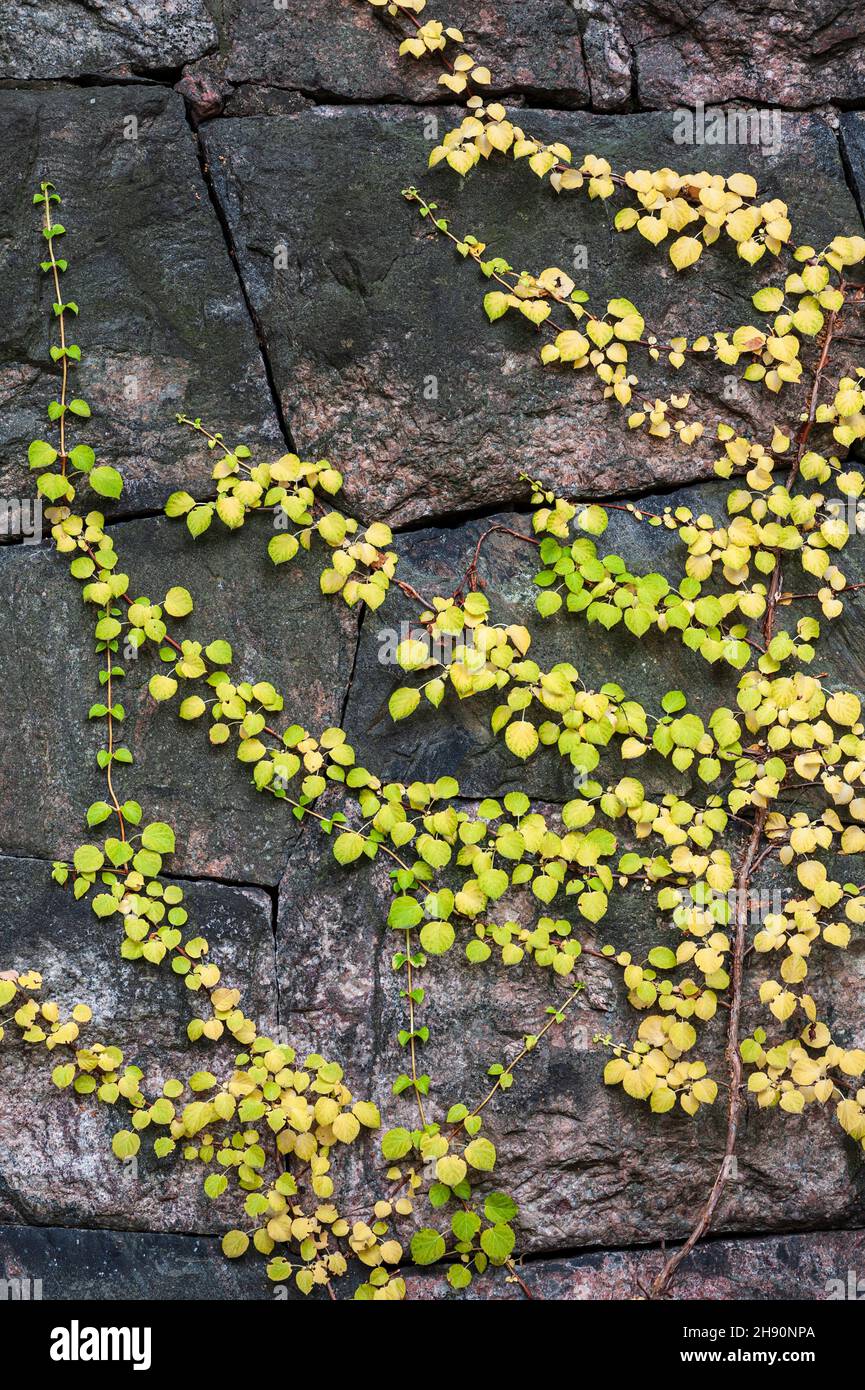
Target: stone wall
231	173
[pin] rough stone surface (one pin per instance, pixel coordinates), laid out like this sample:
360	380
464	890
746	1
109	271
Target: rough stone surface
801	1268
852	133
368	319
224	827
56	1164
55	1263
342	49
163	327
77	38
645	54
678	52
72	1264
383	359
580	1158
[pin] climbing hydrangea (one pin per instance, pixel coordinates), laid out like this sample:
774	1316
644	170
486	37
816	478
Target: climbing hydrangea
503	883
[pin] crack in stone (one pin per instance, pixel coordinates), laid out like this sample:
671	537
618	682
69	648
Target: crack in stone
228	238
849	177
204	879
534	1258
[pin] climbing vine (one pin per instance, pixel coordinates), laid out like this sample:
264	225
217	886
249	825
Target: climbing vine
500	882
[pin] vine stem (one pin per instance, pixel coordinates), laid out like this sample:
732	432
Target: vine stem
801	445
848	588
112	793
64	387
549	324
554	1018
408	965
64	361
734	1060
471	573
409	14
747	865
412	1049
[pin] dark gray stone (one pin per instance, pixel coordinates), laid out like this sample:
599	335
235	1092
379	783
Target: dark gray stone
368	313
56	1164
225	829
758	51
343	49
163	327
806	1268
852	131
76	38
55	1263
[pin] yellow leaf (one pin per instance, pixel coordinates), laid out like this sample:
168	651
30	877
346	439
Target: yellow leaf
521	738
461	160
654	230
685	251
572	345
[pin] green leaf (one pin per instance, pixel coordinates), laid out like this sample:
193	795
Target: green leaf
521	738
215	1184
499	1207
498	1242
403	702
104	905
769	300
548	603
662	958
199	519
495	304
437	937
125	1144
178	602
405	913
396	1144
282	547
638	620
219	652
593	519
88	859
465	1225
106	481
41	454
82	457
348	847
192	707
162	687
672	701
478	951
53	486
592	905
97	812
481	1154
427	1246
159	837
493	882
179	503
